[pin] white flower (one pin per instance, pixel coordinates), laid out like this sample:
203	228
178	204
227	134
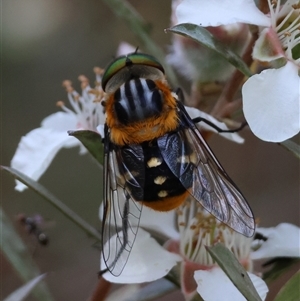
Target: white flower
149	261
271	100
280	241
216	12
199	229
38	148
271	103
214	285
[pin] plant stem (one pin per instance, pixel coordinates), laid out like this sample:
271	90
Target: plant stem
224	106
101	291
140	28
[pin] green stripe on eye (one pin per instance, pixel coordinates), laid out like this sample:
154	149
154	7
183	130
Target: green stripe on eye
127	61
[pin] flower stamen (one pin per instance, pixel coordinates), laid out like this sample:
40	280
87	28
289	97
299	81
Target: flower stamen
199	229
86	106
285	22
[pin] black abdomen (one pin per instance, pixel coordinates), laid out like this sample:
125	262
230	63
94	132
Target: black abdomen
153	180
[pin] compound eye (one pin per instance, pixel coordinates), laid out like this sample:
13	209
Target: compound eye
133	65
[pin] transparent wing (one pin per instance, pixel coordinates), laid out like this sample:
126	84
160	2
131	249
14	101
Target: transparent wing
121	213
191	160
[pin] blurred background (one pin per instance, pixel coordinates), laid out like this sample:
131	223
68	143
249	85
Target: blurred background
45	42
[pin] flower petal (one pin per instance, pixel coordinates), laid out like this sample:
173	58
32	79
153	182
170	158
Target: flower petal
194	113
260	285
268	47
100	130
187	280
22	292
214	285
162	223
216	12
271	103
148	261
60	121
281	241
36	151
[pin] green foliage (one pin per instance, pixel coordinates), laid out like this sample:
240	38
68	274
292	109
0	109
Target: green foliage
203	36
292	146
280	266
92	141
49	197
291	290
234	270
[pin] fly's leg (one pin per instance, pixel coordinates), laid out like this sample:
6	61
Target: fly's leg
200	119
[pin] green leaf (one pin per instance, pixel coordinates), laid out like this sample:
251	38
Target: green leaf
292	147
16	252
291	290
22	292
49	197
280	266
92	141
203	36
234	270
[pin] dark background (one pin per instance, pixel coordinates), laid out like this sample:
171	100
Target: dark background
45	42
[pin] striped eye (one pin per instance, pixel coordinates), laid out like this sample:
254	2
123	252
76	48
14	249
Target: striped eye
131	66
